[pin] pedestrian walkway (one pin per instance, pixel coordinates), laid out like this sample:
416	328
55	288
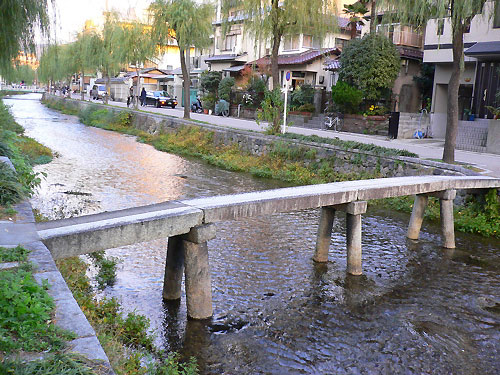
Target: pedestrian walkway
427	148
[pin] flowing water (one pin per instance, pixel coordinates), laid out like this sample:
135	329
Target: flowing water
416	310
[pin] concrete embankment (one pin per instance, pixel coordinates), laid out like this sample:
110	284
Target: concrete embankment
67	315
346	160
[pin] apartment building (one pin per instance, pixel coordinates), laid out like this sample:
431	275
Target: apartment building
480	79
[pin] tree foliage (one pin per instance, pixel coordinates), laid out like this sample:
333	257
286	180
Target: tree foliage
371	64
225	87
210	80
19	20
19	73
188	24
347	99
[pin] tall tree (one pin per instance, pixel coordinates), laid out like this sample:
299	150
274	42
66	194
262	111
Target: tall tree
373	16
106	49
270	20
83	56
18	20
189	24
136	47
460	14
51	68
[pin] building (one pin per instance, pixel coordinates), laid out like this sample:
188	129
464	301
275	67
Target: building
479	81
303	54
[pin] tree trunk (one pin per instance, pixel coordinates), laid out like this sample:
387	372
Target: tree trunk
137	87
277	34
187	81
82	87
108	89
453	86
373	17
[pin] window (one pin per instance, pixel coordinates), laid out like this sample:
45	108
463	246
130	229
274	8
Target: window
496	16
307	41
440	28
230	42
291	42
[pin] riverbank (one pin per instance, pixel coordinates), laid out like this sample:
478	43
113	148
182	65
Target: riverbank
52	320
296	161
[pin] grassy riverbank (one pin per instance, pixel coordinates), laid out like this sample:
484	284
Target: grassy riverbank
297	166
24	153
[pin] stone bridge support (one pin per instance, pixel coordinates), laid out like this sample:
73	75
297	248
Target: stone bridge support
189	253
446	198
353	212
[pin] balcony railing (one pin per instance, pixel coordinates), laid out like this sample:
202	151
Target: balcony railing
403	36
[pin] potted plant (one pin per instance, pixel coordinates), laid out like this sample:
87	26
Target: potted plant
469	116
494	111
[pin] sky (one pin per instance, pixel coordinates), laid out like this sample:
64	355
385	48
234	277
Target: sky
70	15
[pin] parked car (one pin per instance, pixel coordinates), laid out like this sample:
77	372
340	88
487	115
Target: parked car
160	99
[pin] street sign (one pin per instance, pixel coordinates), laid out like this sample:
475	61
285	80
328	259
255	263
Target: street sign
288	75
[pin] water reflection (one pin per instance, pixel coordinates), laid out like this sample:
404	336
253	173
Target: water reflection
416	310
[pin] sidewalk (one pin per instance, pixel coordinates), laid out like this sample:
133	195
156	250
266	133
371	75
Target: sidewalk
429	148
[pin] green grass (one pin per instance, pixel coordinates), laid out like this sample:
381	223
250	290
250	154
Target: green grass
16	254
351	145
26	314
55	364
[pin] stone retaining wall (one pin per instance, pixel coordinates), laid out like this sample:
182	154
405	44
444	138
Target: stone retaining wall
346	161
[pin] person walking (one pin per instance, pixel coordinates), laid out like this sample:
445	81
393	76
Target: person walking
143	97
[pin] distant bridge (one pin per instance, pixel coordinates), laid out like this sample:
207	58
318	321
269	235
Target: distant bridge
189	224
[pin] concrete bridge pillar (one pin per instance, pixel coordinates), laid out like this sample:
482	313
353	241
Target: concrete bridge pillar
188	253
324	234
447	222
417	216
353	236
174	269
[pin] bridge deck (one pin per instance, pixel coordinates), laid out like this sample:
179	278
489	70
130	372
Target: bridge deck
85	234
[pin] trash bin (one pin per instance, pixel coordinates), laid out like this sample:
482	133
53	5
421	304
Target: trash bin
393	125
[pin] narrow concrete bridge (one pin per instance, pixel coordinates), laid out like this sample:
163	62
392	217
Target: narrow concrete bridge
189	224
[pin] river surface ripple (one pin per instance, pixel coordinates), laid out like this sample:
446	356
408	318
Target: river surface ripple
416	310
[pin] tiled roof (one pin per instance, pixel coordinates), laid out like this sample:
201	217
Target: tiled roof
484	48
331	64
298	58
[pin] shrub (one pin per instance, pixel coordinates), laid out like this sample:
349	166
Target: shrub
370	64
346	97
272	109
209	81
256	90
308	107
225	87
302	95
208	101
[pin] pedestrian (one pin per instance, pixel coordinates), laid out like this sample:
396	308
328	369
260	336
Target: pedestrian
143	97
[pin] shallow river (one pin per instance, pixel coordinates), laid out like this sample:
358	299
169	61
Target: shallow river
417	310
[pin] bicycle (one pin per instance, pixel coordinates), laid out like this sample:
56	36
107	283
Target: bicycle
334	121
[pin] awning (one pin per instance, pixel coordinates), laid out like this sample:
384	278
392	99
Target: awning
234	69
484	50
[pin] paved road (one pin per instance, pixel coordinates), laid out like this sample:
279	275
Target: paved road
425	148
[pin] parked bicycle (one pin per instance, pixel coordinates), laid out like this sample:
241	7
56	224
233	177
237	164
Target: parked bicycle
222	108
334	121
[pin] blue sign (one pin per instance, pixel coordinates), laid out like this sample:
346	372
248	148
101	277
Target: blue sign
288	76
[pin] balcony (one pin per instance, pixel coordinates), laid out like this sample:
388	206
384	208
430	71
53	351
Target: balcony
405	36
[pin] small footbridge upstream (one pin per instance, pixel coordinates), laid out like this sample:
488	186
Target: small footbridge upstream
189	224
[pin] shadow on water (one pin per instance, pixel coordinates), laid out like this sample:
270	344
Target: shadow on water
418	309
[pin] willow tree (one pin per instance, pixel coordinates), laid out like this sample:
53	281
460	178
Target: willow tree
82	56
51	68
136	47
187	23
106	49
19	20
460	14
270	20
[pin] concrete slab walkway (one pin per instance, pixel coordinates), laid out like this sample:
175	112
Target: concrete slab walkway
425	148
